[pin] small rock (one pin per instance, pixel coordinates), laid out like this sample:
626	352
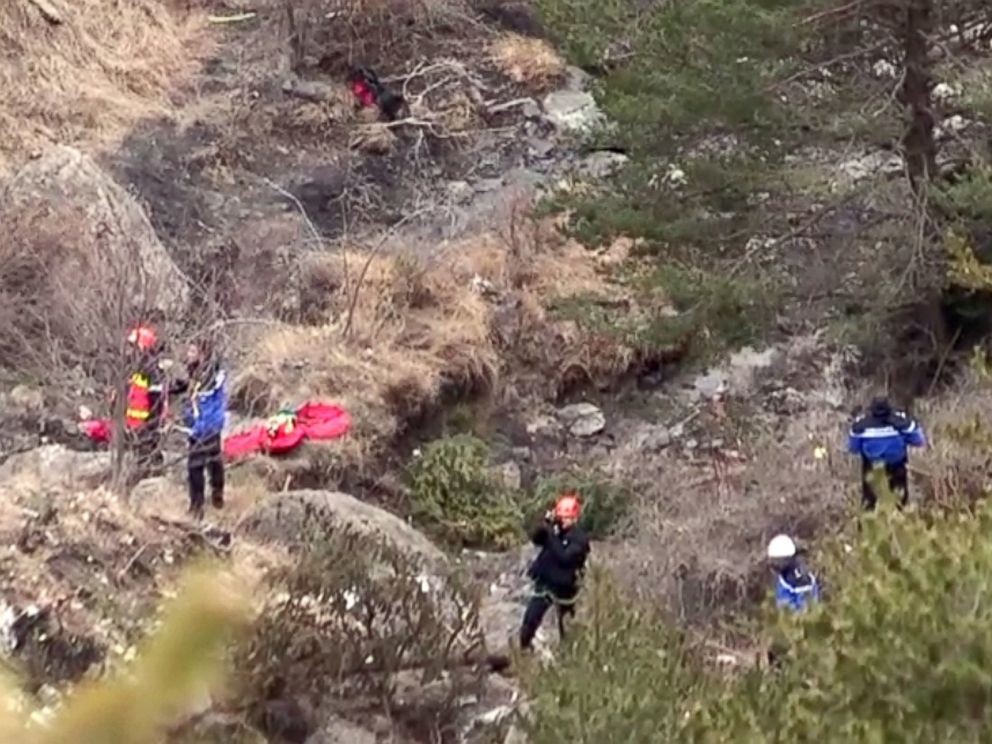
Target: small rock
515	735
543	425
711	384
521	454
531	109
541	148
508	473
572	111
582	419
485	185
27	398
652	438
602	164
459	190
308	90
691	444
576	78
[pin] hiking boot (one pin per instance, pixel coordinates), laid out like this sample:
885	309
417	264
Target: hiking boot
196	513
217	500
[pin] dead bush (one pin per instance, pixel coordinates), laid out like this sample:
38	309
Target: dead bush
349	620
341	33
528	61
62	307
953	470
107	65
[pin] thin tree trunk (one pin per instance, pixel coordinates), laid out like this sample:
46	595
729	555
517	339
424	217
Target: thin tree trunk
919	146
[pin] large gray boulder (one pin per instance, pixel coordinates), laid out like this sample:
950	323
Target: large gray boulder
90	242
289	517
53	467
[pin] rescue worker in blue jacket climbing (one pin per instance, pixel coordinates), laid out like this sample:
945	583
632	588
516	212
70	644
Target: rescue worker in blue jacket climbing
882	439
558	568
795	587
204	415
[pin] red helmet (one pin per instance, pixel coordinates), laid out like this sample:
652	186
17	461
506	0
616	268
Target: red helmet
568	506
143	337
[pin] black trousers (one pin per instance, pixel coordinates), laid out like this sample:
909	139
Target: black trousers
538	606
205	457
897	475
146	445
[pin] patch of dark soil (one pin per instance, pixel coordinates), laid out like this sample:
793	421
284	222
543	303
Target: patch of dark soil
512	15
159	164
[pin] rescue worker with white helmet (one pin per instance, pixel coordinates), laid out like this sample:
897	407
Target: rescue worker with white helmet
795	587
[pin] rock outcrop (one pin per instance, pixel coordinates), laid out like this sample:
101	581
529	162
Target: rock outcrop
54	467
84	258
288	517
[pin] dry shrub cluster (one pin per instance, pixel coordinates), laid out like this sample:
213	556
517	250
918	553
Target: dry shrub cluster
88	78
346	624
61	306
703	521
339	33
954	468
401	334
84	572
523	59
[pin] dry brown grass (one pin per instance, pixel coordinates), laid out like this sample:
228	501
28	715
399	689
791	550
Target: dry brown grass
526	60
954	468
107	65
704	520
424	328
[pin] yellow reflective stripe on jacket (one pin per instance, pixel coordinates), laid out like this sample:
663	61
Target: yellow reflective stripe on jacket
141	380
136	413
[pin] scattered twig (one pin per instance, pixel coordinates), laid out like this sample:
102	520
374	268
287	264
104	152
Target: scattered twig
48	11
943	360
134	558
303	212
236	18
497	108
368	262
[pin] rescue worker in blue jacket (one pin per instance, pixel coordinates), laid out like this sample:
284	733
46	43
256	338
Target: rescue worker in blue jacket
882	439
795	587
204	415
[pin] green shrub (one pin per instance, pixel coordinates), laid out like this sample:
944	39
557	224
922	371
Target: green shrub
456	495
605	503
723	311
899	651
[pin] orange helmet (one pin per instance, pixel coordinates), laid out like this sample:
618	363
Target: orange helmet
568	506
143	337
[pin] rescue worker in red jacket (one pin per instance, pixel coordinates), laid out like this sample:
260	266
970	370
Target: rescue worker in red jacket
146	401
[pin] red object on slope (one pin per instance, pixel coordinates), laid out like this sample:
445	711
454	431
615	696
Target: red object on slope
99	430
323	421
363	93
313	421
317	421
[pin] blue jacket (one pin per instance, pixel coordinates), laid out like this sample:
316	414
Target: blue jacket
796	589
885	439
207	405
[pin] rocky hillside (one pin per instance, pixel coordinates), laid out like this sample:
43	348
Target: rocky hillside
472	283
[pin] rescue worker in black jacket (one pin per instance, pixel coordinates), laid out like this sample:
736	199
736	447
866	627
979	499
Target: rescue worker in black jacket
557	570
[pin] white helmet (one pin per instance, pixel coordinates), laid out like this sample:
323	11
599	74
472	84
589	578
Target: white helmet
781	546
